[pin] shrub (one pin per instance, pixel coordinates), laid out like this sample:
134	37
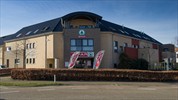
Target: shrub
6	71
94	75
128	63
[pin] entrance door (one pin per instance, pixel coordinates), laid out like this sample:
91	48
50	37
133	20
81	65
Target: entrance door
84	63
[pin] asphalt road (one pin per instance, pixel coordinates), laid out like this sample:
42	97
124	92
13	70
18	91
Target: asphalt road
94	91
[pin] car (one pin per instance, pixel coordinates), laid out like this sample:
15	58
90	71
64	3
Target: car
2	67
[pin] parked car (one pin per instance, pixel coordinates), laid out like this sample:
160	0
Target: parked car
2	67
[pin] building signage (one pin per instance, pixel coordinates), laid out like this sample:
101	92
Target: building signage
85	54
73	59
81	34
98	58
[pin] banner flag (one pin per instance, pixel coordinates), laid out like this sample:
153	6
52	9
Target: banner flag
73	59
98	58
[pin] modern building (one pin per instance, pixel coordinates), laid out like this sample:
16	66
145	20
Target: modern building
50	44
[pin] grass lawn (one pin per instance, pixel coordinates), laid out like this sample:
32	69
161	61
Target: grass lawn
7	81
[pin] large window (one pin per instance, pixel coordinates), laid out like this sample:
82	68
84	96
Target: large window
81	44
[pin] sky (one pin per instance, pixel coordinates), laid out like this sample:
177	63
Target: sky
157	18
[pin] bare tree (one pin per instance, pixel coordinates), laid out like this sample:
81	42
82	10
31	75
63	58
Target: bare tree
22	52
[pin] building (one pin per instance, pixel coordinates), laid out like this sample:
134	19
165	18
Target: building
50	44
176	50
168	55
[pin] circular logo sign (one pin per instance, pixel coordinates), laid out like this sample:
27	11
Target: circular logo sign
81	32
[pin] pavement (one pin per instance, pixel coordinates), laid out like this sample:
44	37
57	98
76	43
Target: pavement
94	91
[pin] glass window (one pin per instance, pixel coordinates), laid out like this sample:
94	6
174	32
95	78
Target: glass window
17	61
72	42
28	33
27	60
30	45
30	60
115	46
78	48
87	48
79	42
27	46
33	60
90	42
33	45
19	35
84	42
73	48
36	31
8	49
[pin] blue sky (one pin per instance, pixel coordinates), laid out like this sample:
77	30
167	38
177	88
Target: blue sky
157	18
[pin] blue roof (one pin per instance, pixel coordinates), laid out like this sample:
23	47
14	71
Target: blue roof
54	25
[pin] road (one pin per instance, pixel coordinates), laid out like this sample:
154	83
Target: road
94	91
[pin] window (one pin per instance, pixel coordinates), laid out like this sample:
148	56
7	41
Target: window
19	35
17	61
81	45
27	60
33	46
30	60
28	33
125	44
8	49
177	55
36	31
85	42
27	46
85	26
90	42
30	45
72	42
115	46
45	28
165	49
33	60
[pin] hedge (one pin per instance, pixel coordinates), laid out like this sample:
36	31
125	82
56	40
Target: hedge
6	71
94	75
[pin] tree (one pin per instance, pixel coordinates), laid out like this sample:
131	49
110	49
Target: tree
21	50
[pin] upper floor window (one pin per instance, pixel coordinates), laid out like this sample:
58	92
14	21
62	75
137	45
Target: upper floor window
125	45
165	49
8	49
115	46
81	44
28	33
85	26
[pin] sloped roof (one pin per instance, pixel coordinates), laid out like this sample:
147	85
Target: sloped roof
47	26
6	38
108	26
54	25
